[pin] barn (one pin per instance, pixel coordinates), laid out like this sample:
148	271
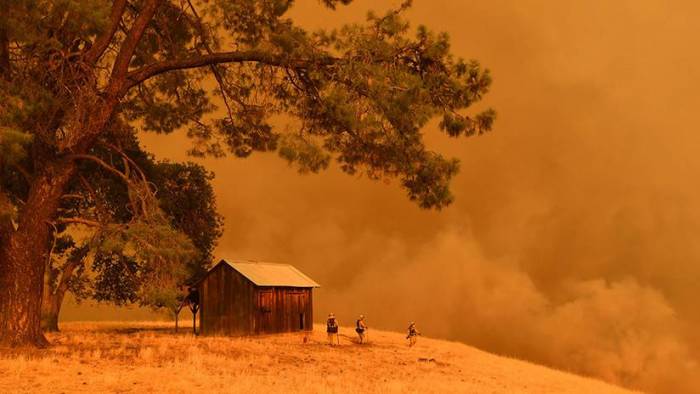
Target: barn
250	297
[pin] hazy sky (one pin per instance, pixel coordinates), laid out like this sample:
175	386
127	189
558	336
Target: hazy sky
572	239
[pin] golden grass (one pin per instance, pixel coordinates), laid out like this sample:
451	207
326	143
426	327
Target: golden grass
149	357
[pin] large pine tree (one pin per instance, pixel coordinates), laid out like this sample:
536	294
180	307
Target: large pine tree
73	73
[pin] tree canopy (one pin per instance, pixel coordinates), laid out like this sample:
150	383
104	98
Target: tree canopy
361	93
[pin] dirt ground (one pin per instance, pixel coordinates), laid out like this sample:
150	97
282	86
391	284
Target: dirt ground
120	357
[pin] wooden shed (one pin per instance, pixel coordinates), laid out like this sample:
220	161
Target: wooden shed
250	297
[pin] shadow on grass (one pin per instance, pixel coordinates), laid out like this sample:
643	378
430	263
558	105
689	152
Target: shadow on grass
123	328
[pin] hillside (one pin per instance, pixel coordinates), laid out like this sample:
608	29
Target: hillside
149	357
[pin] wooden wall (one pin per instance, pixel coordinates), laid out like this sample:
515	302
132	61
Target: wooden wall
227	301
231	305
283	309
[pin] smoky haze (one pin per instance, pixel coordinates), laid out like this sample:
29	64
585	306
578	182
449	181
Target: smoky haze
573	237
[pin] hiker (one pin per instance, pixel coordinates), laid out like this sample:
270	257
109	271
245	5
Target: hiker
412	334
360	328
332	329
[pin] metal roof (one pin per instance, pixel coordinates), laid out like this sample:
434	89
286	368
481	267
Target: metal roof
271	274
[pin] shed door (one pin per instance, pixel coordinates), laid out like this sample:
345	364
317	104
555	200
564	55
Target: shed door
297	318
266	300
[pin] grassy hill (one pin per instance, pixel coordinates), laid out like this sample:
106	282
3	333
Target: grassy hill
149	357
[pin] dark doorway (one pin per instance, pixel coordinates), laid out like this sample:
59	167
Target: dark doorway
301	321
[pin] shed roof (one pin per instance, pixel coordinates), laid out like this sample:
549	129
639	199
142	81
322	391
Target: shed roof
271	274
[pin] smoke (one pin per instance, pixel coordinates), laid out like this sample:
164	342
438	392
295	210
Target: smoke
621	331
591	279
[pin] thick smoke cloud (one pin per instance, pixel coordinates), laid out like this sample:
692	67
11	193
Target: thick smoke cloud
573	238
620	329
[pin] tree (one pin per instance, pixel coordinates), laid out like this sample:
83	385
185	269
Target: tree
187	199
186	196
72	70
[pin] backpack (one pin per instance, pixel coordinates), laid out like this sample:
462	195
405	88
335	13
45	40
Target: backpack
331	326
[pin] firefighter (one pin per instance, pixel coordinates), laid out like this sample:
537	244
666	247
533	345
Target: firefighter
332	329
360	328
412	334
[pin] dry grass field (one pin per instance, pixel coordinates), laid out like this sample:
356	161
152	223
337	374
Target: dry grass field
150	357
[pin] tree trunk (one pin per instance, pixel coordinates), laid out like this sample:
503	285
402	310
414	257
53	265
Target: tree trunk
50	308
53	295
23	255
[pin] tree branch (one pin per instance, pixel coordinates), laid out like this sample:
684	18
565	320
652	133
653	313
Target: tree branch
137	76
113	170
115	87
121	64
24	172
217	75
102	164
127	159
102	42
87	222
101	212
146	185
72	196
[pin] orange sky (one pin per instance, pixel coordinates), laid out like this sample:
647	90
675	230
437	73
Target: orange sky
579	214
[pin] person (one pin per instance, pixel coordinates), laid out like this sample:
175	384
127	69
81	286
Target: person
412	334
332	329
360	328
